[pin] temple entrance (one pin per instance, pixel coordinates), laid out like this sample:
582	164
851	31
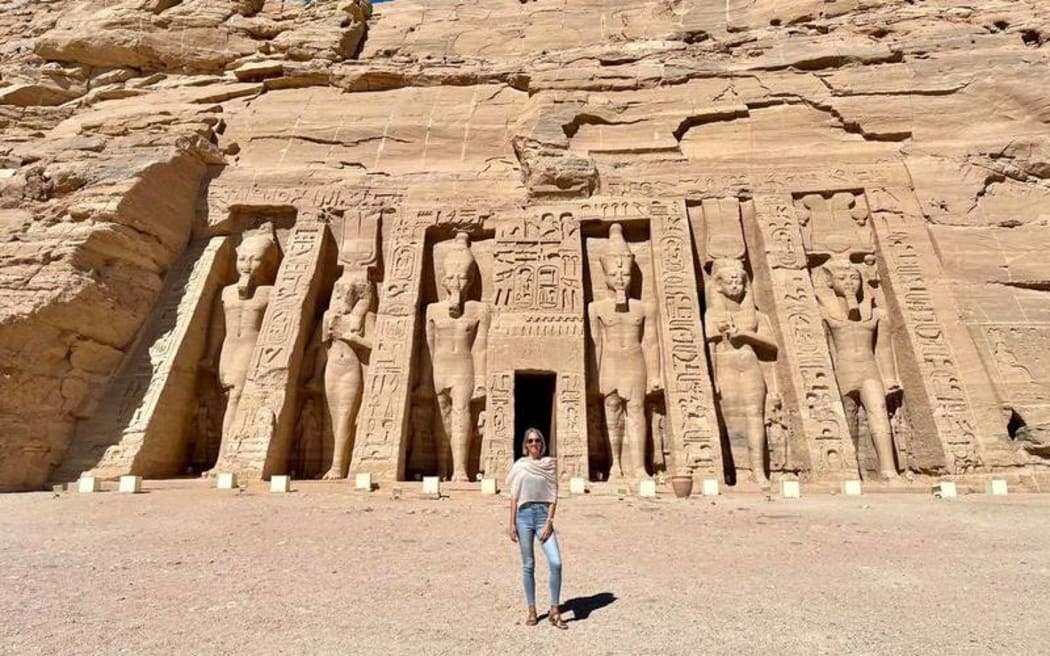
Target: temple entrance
533	407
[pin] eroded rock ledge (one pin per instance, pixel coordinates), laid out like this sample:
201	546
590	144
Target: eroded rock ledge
144	142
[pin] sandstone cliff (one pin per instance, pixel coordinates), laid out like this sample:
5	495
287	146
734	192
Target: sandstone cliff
125	127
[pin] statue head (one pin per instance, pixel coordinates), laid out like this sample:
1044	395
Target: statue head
458	273
257	258
617	263
352	286
844	279
730	278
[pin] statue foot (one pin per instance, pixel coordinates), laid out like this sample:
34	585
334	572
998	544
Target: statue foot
762	480
332	474
460	477
889	475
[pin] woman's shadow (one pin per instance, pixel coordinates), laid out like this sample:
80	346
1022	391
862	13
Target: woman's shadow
582	607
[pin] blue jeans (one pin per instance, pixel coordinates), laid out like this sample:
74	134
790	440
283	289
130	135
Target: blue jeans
530	520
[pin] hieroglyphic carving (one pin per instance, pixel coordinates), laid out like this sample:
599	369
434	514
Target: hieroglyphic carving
497	448
378	448
690	407
946	397
259	438
538	294
804	350
147	406
572	426
537	267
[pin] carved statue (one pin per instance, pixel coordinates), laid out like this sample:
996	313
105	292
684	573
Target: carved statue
343	332
739	335
626	348
457	334
864	361
244	306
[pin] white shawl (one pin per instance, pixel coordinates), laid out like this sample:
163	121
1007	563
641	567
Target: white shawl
534	480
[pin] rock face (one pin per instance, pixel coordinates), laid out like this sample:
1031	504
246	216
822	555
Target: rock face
833	217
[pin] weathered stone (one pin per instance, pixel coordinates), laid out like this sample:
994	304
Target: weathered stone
734	242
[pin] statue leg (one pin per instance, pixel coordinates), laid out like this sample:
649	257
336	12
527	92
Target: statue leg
461	431
233	397
344	400
756	446
445	409
614	424
873	397
637	436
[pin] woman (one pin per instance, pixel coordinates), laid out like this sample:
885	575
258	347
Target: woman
533	483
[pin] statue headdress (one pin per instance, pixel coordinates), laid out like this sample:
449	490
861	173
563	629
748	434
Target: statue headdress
459	255
617	253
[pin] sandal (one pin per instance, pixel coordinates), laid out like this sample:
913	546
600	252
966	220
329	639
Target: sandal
531	619
556	620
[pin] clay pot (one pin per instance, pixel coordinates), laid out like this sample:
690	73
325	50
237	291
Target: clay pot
682	486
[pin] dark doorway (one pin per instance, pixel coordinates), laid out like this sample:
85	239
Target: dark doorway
533	407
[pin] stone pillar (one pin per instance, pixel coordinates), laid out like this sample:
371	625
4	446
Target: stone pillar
262	431
380	445
943	395
141	424
805	359
692	425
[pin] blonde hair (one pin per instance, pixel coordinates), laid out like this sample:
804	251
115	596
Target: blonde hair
525	438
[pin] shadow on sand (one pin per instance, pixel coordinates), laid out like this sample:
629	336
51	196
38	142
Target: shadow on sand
582	607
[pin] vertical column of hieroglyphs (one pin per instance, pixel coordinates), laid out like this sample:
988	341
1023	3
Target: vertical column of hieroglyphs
262	428
690	402
937	395
804	349
560	289
379	446
140	424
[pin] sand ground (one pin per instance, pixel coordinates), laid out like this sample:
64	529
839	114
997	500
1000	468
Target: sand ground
185	569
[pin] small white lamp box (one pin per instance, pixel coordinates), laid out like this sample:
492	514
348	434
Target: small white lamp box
997	487
577	485
790	489
432	486
88	484
130	484
647	488
851	488
488	486
709	487
226	481
363	481
280	484
945	490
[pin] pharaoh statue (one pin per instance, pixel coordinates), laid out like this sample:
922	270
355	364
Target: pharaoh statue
343	334
626	349
457	333
739	336
243	307
864	362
